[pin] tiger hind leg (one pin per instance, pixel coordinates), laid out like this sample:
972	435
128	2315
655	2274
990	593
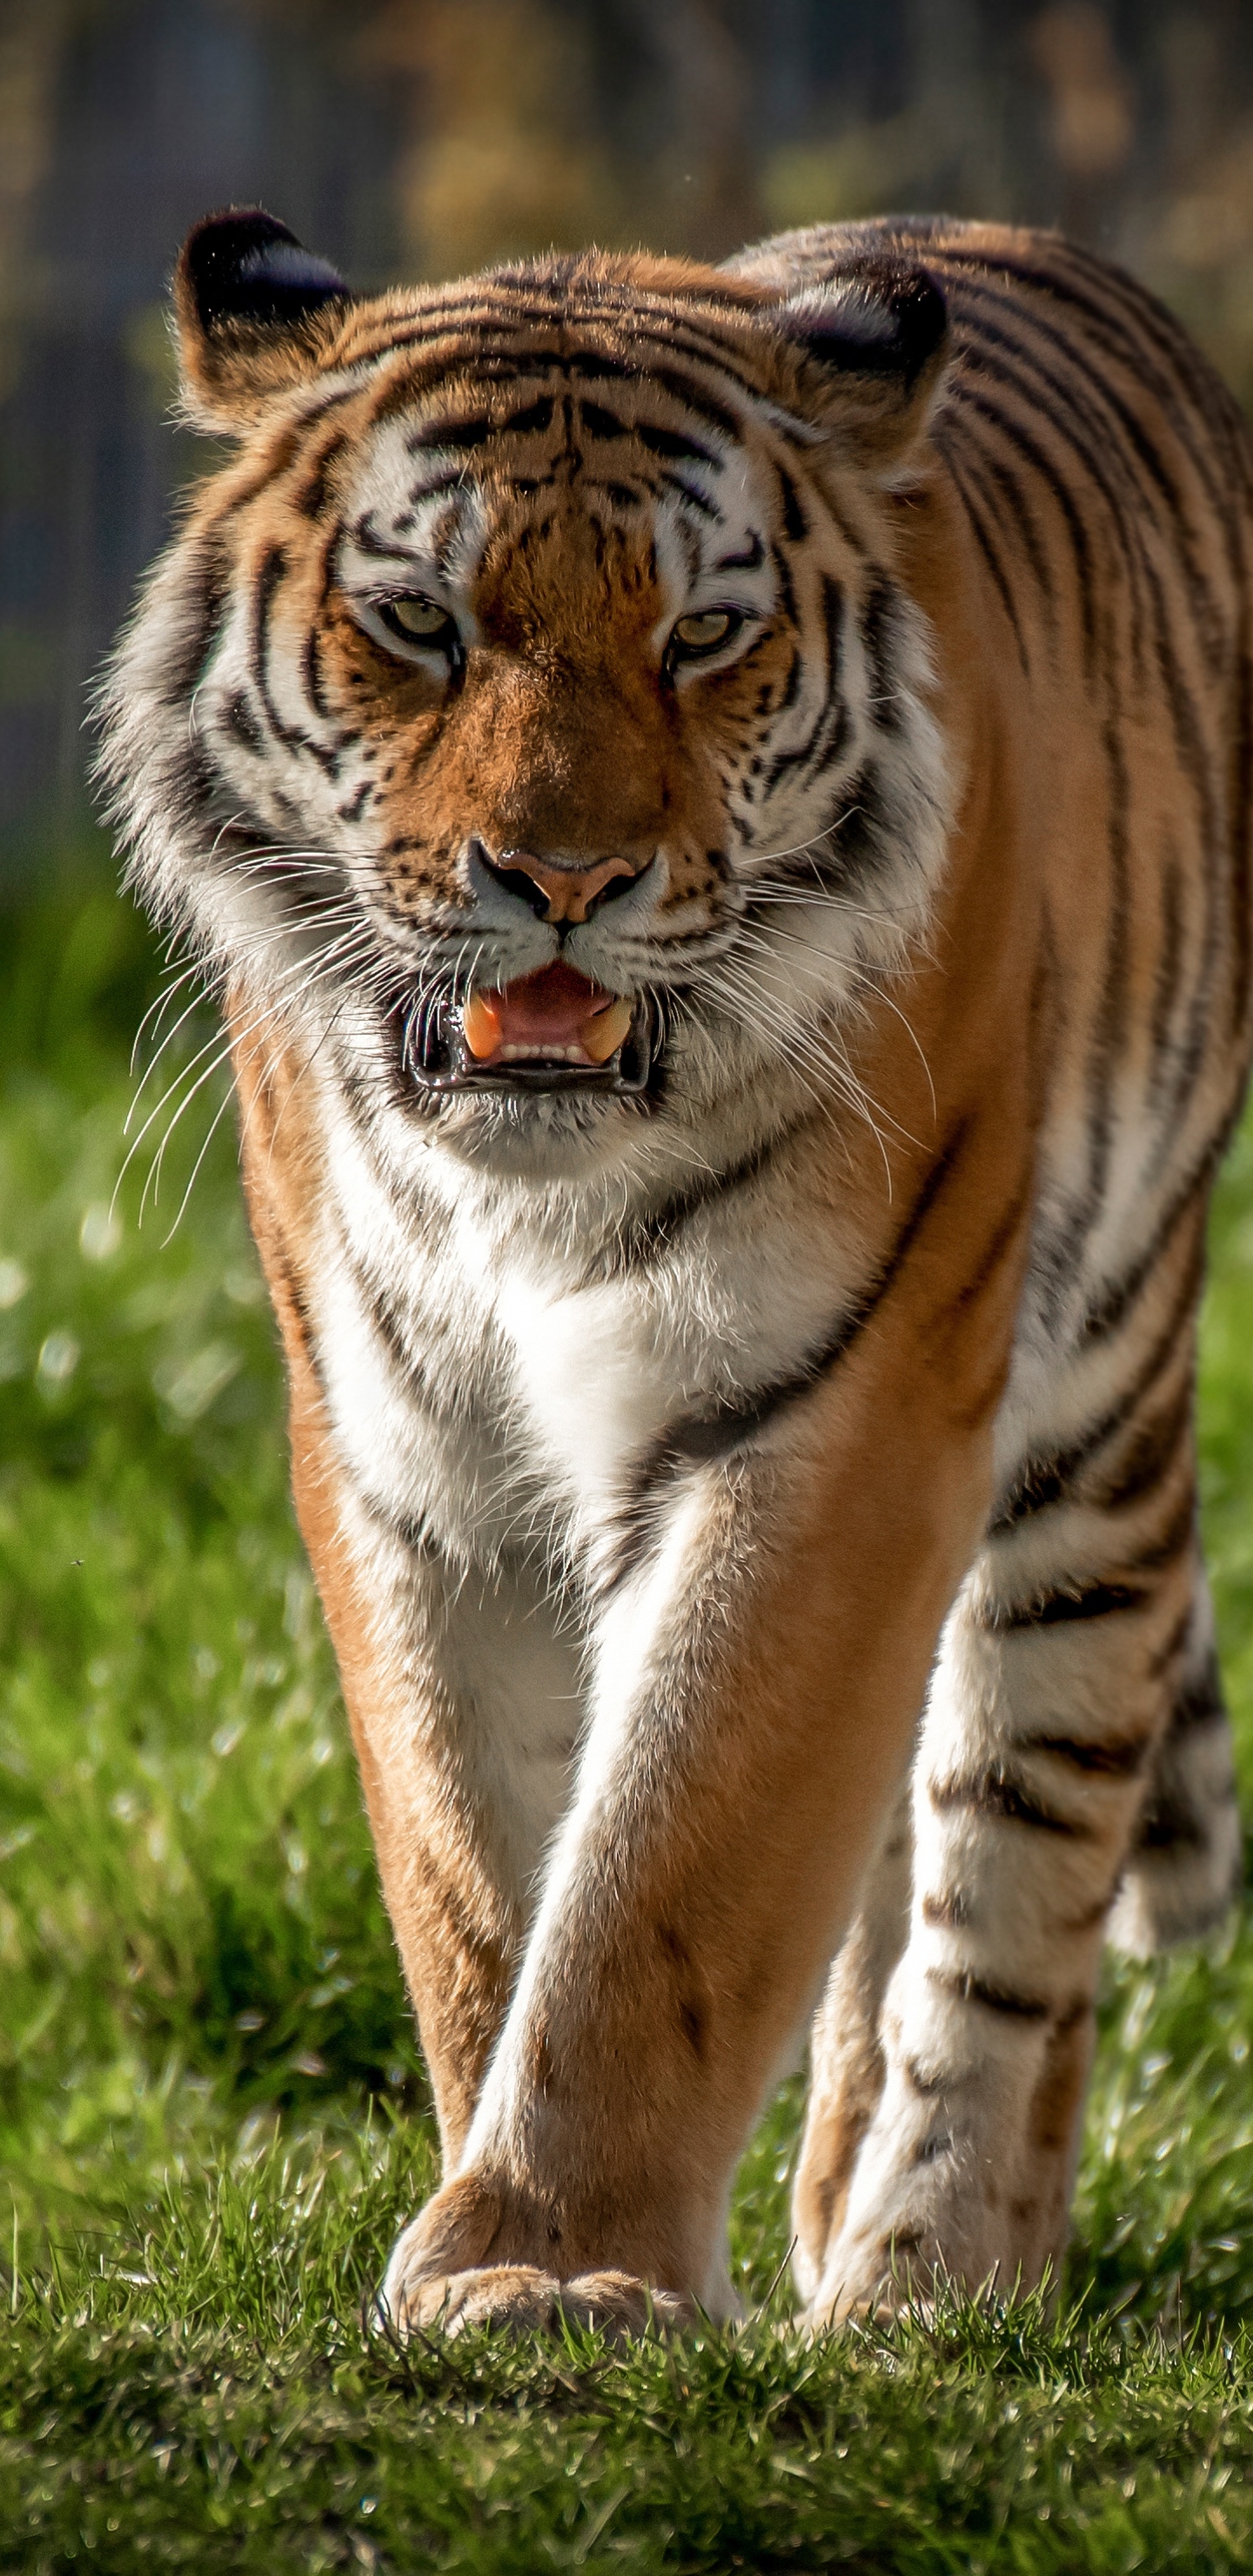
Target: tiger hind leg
1187	1857
1047	1708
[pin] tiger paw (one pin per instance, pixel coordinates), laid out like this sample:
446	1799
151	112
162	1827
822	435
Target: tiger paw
523	2300
442	2275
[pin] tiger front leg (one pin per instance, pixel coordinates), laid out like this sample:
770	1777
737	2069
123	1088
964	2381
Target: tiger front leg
759	1677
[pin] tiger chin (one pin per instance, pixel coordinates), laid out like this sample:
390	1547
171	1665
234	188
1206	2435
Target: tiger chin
715	804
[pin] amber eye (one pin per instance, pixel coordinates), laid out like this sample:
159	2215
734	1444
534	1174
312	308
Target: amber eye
422	620
705	630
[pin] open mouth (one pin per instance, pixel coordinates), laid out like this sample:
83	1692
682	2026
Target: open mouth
550	1031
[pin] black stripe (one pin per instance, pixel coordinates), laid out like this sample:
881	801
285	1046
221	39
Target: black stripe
1170	1826
1117	1758
949	1913
452	433
599	423
795	518
272	571
993	1793
708	1435
1109	1311
1172	514
1168	980
238	720
880	625
1149	1455
696	499
1200	1701
982	537
787	594
647	1237
201	605
1018	438
1076	1598
366	537
1083	398
828	735
697	397
1106	302
310	497
1008	487
354	808
672	444
1057	1608
969	1989
451	481
277	1260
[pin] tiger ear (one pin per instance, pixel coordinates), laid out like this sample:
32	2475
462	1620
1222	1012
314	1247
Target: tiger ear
874	343
250	304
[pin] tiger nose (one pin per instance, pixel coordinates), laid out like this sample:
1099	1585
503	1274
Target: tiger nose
569	892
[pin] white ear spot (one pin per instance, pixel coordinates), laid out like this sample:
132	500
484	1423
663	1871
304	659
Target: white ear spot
841	310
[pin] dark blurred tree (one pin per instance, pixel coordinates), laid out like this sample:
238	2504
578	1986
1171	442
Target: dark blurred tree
423	137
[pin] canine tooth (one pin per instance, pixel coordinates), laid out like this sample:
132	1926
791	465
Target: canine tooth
603	1034
480	1026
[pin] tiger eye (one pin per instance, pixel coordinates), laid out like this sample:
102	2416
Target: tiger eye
702	631
421	618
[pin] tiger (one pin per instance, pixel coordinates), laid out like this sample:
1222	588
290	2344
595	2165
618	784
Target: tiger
714	803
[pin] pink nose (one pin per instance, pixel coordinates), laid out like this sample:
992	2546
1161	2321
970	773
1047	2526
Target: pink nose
571	892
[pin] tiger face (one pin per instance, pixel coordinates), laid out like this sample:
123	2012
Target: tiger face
558	731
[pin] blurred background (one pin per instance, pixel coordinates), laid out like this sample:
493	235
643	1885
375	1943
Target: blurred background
418	138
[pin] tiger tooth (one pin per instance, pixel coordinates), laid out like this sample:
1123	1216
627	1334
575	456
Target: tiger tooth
480	1026
602	1035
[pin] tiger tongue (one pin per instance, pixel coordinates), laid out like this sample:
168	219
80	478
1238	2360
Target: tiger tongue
553	1011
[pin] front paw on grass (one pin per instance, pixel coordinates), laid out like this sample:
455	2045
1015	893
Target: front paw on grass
526	2301
442	2275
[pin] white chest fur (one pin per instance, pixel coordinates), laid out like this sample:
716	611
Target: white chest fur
495	1379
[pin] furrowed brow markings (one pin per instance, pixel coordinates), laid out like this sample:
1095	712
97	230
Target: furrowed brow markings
672	444
696	500
451	433
419	492
368	541
599	423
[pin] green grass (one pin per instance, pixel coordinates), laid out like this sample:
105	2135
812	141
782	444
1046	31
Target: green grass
212	2112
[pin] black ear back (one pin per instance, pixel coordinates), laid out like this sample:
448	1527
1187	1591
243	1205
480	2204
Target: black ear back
880	319
256	313
244	266
877	335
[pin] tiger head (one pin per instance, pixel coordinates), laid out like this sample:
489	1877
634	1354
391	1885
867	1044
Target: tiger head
531	705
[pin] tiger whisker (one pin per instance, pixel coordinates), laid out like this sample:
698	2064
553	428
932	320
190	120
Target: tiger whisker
337	956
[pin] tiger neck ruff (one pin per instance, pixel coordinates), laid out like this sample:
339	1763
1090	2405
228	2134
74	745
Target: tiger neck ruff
715	804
